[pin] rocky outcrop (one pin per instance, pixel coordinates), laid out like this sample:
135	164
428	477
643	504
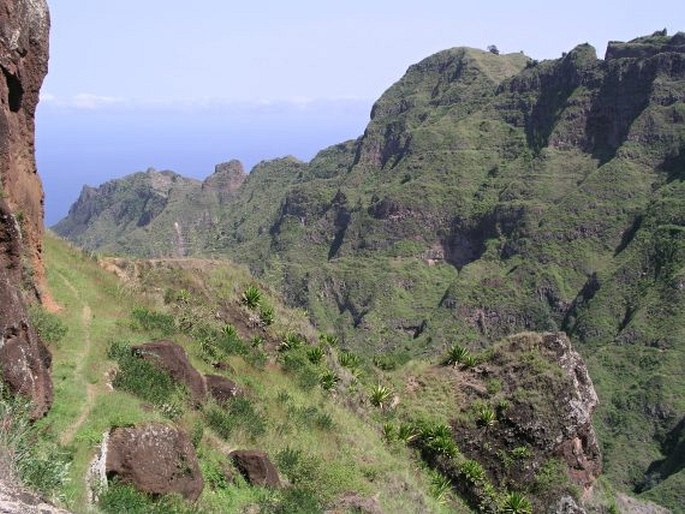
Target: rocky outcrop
256	467
542	411
17	500
173	359
24	360
221	388
155	458
226	180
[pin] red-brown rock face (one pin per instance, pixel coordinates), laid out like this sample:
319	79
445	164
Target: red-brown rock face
156	458
24	361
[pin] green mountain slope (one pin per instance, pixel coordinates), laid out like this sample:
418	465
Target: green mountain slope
490	194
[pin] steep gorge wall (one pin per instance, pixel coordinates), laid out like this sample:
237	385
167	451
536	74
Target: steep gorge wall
24	360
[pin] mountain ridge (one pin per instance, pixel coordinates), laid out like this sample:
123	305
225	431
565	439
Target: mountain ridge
489	195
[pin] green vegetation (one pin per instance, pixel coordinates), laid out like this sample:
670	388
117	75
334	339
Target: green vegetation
489	195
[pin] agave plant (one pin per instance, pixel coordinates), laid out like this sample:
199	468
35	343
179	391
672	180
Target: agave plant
379	395
348	359
440	487
290	342
252	297
486	416
266	314
517	503
472	470
389	432
406	433
469	361
328	340
438	440
456	355
328	379
315	354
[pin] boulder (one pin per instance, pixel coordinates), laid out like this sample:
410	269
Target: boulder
155	458
172	358
221	388
256	467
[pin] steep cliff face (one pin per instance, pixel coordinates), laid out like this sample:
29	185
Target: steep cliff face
24	360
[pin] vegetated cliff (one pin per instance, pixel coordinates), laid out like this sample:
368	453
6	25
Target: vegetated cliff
492	194
24	360
151	213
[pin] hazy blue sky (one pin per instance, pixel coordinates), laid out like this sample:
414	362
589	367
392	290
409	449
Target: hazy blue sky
184	85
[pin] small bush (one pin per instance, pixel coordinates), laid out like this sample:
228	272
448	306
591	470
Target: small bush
472	471
328	380
348	360
406	433
315	355
440	487
241	415
486	416
267	315
48	326
230	342
252	297
291	341
379	395
149	320
328	340
456	355
437	439
517	503
122	498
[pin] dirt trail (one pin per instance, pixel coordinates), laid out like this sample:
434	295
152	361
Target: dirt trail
91	389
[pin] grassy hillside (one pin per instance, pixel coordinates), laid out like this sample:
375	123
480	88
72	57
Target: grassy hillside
320	447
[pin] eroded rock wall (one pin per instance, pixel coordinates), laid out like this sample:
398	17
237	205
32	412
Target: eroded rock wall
24	360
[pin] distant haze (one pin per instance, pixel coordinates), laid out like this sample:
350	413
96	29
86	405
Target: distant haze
90	146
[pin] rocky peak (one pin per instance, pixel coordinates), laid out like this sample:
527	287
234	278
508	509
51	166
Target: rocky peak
226	179
647	46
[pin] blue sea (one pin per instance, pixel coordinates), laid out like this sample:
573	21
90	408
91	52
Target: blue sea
75	147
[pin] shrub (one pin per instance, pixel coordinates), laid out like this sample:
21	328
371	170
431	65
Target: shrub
517	503
437	439
470	361
315	354
239	414
149	320
406	433
348	359
252	297
266	314
456	355
388	431
119	498
440	487
380	395
328	340
43	467
230	342
486	416
472	471
291	341
328	380
49	326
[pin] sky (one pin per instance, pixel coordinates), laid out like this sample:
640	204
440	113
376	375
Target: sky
177	85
